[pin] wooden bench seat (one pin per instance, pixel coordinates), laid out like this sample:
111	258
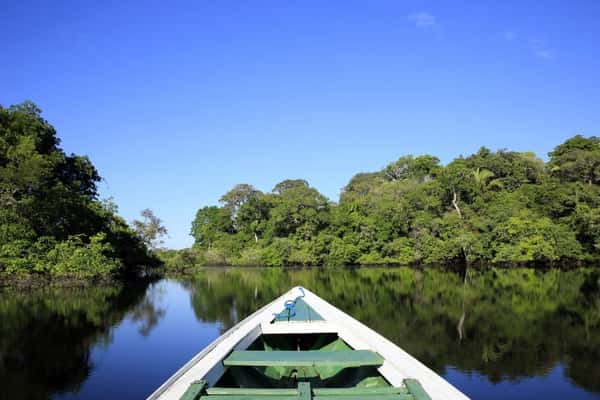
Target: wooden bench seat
310	358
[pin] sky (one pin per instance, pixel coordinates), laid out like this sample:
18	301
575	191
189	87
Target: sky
176	102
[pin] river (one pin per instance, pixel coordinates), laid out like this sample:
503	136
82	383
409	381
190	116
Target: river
493	333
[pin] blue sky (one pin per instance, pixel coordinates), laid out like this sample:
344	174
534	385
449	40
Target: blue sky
175	102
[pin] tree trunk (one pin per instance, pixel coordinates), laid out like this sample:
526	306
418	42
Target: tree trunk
455	204
255	237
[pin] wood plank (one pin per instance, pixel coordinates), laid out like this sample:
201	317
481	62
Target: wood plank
207	363
251	391
358	391
310	358
415	388
398	366
249	397
304	392
297	327
369	397
194	391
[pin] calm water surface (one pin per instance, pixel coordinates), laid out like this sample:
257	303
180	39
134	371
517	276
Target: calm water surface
498	334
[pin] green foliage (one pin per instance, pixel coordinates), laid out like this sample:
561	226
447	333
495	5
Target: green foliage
422	168
180	260
577	159
530	238
342	253
209	224
72	257
503	206
51	221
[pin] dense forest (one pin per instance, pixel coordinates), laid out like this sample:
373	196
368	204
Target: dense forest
51	219
490	207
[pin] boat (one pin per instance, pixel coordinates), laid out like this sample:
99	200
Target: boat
301	347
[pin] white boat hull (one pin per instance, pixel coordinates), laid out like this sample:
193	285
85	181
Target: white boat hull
398	365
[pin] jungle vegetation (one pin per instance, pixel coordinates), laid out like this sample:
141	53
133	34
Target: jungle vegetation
51	219
489	207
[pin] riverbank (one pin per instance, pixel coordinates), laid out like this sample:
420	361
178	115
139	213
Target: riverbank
188	260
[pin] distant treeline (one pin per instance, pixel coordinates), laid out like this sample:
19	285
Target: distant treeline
51	220
489	207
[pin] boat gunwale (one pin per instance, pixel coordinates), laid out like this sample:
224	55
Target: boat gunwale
349	329
211	346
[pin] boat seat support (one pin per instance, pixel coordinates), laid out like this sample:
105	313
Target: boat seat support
411	390
194	391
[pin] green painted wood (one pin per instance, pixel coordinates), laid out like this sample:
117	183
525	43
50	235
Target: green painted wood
304	312
251	392
358	391
249	397
310	358
415	388
323	392
297	397
369	397
194	391
304	392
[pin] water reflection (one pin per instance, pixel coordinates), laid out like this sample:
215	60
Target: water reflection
46	335
148	313
494	333
505	324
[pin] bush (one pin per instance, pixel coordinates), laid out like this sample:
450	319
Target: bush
248	257
341	253
72	257
215	256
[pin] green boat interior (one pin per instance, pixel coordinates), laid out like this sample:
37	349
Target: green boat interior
281	361
303	366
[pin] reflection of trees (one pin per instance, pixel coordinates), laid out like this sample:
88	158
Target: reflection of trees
520	323
147	313
46	335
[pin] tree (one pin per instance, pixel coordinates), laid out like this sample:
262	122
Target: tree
491	206
422	168
512	168
54	192
237	197
287	184
299	210
577	159
210	223
361	185
51	220
483	179
253	216
150	230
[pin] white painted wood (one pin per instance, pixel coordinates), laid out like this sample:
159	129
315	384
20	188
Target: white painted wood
208	360
297	327
398	364
218	369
